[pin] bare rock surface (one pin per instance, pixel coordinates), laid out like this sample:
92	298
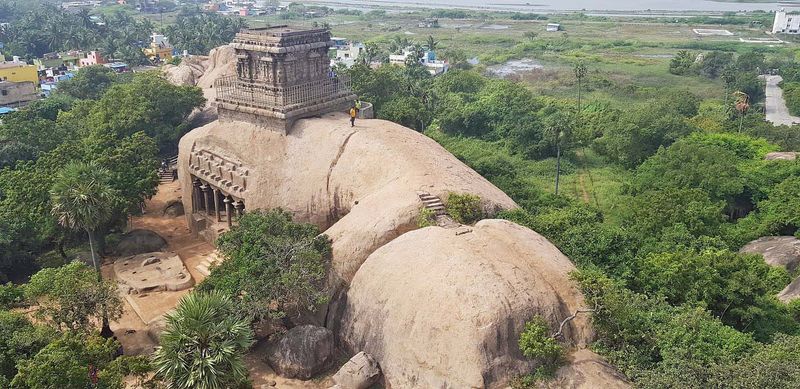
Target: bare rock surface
202	71
139	241
782	156
441	310
360	372
779	251
303	352
358	184
587	370
152	272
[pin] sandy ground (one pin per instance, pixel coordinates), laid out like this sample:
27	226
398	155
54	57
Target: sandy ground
131	328
777	112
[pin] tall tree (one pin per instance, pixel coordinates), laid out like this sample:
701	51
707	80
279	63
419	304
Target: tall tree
83	199
203	344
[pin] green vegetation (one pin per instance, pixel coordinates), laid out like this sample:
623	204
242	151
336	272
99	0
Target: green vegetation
537	343
273	268
465	208
109	146
426	218
660	186
203	344
72	297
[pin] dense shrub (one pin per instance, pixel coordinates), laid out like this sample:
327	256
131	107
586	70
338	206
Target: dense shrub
273	266
465	208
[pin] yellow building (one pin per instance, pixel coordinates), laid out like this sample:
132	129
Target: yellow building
18	72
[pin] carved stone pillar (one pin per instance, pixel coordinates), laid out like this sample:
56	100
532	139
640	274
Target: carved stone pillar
195	195
204	190
215	193
215	210
228	210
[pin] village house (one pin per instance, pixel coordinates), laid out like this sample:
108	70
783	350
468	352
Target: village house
18	71
17	94
92	58
70	60
160	49
348	54
428	59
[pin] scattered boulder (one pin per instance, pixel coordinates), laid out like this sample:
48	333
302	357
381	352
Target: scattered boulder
139	241
782	156
155	329
778	251
302	353
174	208
360	372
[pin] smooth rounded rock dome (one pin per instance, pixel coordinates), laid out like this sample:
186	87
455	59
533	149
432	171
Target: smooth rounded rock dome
443	308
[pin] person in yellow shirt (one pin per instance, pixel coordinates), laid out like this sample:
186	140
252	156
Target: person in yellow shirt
353	113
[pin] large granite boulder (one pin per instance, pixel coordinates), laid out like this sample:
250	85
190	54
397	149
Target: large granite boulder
779	251
174	208
303	352
443	308
360	372
139	241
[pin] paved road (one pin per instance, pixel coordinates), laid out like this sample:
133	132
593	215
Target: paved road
777	112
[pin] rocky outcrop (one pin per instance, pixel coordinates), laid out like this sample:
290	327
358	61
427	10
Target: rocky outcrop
303	352
360	372
202	71
358	184
139	241
443	308
780	251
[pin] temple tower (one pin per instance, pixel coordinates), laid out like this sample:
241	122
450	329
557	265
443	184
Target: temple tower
282	74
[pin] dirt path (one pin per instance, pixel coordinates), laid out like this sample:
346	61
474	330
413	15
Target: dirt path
131	328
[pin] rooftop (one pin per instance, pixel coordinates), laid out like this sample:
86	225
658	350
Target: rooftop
282	31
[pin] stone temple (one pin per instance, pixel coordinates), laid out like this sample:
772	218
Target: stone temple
282	74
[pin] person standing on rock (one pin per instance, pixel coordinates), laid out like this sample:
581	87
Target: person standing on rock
353	112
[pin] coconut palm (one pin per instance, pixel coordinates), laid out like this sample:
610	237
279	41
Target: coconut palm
431	43
83	199
203	344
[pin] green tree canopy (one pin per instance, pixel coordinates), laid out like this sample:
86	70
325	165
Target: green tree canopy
71	297
273	266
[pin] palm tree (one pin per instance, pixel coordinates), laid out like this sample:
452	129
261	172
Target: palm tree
432	43
203	344
83	199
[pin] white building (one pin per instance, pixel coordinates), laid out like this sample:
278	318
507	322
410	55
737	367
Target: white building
434	66
348	55
786	23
